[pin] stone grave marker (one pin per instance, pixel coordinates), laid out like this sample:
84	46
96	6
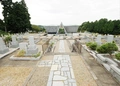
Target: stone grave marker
14	42
3	48
98	40
23	46
32	48
110	38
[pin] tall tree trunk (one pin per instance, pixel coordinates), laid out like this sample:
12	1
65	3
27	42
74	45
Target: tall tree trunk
5	29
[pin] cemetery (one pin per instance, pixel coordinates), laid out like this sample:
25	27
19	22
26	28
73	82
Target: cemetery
79	53
59	48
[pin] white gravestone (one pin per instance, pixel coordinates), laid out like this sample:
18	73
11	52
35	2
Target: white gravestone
32	48
3	48
23	46
14	42
98	40
110	38
20	38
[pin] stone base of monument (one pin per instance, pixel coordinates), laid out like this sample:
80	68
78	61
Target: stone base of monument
14	45
31	50
26	57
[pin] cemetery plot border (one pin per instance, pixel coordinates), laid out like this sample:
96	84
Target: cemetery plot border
11	50
26	58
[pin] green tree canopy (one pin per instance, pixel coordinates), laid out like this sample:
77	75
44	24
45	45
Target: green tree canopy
6	11
16	16
36	28
102	26
2	26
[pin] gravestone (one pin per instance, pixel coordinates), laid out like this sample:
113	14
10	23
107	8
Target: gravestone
23	46
3	48
20	38
98	40
110	38
32	48
14	42
87	39
75	34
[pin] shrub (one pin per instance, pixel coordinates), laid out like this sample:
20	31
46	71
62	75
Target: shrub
36	55
92	45
117	56
107	48
7	39
102	49
3	33
89	43
52	44
61	31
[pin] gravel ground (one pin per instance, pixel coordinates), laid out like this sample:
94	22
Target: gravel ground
82	75
14	76
40	77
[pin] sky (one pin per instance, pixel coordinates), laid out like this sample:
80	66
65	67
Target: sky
70	12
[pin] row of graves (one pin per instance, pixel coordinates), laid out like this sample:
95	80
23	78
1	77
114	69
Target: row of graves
27	46
11	47
112	65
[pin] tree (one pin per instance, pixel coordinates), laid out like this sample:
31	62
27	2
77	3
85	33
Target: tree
35	28
16	16
107	48
1	25
6	10
18	20
61	31
102	26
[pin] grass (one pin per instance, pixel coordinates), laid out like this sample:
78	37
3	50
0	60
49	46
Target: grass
36	55
21	53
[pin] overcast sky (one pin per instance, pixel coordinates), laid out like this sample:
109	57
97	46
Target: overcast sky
70	12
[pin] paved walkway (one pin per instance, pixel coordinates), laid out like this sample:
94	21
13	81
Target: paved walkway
61	73
69	70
